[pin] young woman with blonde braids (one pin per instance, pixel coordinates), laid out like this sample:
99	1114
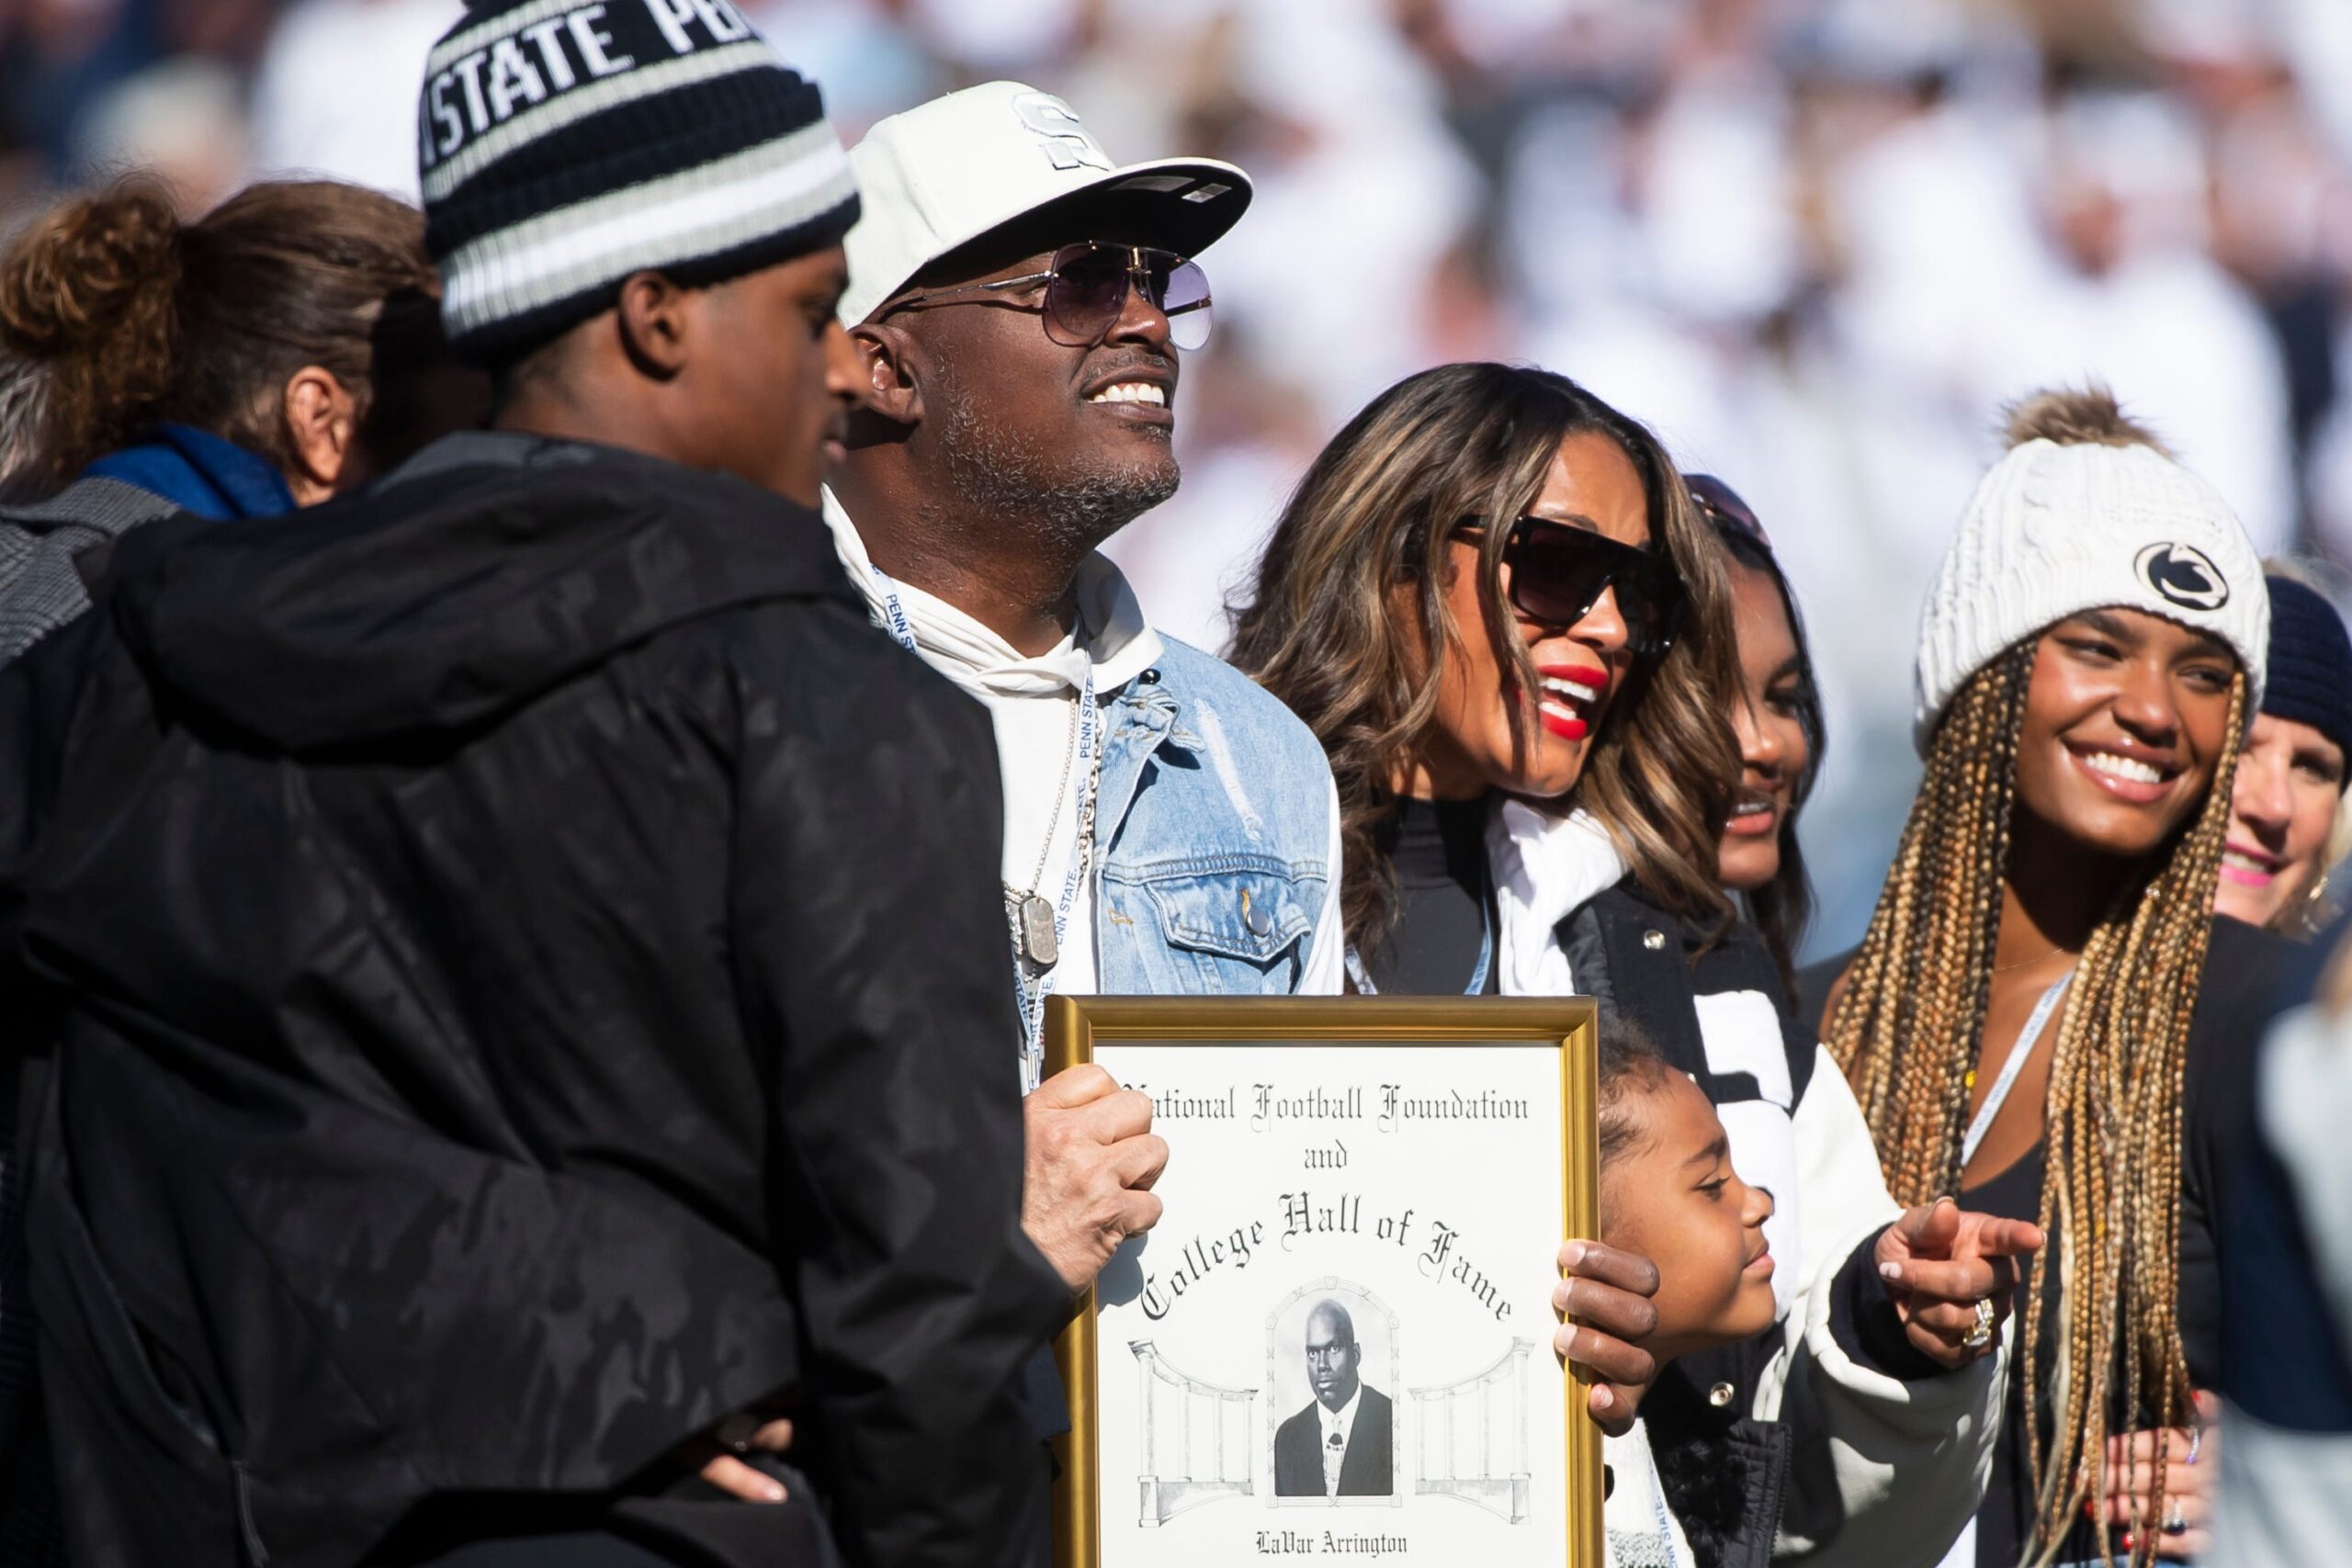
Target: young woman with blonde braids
1494	603
2043	1015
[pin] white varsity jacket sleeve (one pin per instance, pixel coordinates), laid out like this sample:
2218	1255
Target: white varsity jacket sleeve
1936	1432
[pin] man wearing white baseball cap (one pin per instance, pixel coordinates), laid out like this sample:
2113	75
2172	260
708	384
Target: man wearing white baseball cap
1021	304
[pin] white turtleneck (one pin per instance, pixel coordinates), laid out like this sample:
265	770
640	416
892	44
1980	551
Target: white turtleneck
1031	701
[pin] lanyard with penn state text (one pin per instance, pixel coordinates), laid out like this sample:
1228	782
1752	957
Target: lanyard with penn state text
2019	1053
1030	1000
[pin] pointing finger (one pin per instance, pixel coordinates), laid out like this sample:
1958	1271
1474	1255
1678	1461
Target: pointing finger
2006	1238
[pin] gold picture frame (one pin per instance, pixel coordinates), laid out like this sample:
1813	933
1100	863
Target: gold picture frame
1074	1025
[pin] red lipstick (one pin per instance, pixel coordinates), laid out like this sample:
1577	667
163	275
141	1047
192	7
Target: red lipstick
1571	698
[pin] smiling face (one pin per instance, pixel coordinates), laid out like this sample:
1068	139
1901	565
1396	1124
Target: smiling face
2124	724
1591	483
1773	750
2286	792
1672	1195
1075	441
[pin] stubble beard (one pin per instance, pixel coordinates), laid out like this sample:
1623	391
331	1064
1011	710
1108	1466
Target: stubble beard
1066	505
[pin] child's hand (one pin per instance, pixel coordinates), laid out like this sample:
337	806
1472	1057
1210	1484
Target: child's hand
1607	1291
1939	1261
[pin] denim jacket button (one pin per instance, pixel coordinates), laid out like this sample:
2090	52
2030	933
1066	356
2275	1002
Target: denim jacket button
1654	940
1257	919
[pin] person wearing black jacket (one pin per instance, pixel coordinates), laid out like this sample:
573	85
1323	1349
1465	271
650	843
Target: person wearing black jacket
533	999
2045	1017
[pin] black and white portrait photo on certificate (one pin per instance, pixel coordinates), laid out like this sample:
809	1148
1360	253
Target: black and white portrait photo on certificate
1340	1441
1336	1343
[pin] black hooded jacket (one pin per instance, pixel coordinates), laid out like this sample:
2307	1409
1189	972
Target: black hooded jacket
533	987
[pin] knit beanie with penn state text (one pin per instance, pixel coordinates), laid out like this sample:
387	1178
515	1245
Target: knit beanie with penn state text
564	145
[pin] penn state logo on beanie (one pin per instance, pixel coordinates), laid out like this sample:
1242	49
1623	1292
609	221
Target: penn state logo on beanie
2086	511
2182	576
564	144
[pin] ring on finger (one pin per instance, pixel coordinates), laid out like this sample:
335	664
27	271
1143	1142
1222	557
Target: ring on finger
1980	1333
2176	1522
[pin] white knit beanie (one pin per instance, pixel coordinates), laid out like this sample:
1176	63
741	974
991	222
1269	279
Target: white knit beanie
2054	530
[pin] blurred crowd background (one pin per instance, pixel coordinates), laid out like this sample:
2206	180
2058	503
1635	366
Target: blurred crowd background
1816	244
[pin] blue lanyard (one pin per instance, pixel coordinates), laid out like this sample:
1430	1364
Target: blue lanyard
1030	1000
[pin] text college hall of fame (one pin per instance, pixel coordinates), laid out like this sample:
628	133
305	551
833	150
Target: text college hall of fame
1337	1343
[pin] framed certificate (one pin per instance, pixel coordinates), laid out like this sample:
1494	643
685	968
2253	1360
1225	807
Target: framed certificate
1337	1343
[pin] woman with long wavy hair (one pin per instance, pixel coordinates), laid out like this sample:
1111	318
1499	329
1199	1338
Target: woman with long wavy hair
2045	1017
1493	600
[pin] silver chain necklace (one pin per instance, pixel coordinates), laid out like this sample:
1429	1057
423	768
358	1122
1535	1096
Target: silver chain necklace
1032	914
1035	925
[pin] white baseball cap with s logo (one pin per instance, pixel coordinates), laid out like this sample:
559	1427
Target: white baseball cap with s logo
946	173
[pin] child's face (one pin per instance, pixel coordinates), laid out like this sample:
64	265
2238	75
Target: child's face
1673	1197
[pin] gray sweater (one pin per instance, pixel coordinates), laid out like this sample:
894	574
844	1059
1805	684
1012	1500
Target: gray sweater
41	588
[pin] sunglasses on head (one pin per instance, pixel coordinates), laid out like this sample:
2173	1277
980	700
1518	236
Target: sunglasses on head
1086	293
1725	509
1559	573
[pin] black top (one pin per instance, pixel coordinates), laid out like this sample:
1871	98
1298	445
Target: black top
1445	902
2005	1518
2235	1002
565	1005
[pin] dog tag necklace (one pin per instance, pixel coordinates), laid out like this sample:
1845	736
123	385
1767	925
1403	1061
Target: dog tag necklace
1037	927
1031	993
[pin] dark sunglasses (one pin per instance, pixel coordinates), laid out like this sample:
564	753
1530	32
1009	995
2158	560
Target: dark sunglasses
1559	573
1086	291
1725	509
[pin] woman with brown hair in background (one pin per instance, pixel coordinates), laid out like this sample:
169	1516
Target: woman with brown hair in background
1494	601
2045	1017
283	349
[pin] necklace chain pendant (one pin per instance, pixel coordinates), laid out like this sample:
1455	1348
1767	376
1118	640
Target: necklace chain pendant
1033	927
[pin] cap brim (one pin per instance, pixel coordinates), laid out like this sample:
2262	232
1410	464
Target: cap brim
1180	204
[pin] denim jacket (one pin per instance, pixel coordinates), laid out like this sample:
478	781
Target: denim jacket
1216	822
1219	873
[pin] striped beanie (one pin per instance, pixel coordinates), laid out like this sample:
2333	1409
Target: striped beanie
564	144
